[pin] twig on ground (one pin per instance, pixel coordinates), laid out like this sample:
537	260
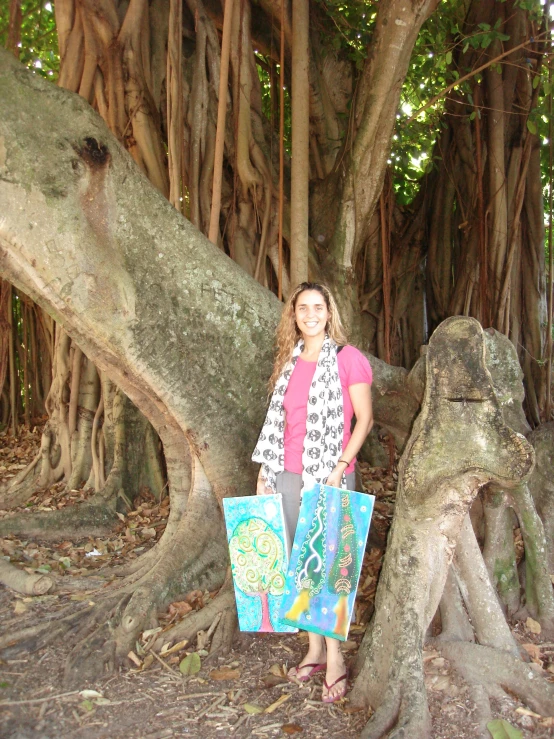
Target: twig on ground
167	667
211	706
38	700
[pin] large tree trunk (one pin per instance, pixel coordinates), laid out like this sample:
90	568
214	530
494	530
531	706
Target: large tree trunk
459	443
151	302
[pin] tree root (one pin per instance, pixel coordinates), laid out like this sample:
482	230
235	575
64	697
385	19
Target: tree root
188	628
192	558
404	710
21	487
493	669
73	522
20	581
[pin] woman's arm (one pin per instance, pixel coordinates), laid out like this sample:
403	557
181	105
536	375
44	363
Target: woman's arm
360	395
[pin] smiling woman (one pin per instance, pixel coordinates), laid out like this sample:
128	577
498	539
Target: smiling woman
319	385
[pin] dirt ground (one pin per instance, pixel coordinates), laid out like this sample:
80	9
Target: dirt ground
243	694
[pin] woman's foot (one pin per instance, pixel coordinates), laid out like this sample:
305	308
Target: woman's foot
335	683
313	662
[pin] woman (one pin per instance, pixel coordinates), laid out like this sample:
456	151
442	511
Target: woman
319	383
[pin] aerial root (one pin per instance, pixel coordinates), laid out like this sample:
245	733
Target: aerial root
403	714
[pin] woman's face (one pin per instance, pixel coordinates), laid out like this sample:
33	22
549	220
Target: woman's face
311	313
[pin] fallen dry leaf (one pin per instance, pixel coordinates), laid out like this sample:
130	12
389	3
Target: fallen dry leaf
180	608
166	649
270	681
548	722
196	599
534	651
19	608
291	729
133	657
533	626
147	661
225	674
252	708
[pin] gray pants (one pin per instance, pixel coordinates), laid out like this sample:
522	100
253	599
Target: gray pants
288	485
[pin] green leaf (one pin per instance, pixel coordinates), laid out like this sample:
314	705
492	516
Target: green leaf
501	729
4	684
191	664
531	126
466	47
44	568
472	116
448	57
252	708
536	81
87	705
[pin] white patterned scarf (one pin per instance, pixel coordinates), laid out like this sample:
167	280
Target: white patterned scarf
324	424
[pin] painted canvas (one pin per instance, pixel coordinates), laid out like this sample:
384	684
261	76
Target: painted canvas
326	560
258	549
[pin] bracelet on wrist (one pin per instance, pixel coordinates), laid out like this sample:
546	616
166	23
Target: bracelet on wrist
345	462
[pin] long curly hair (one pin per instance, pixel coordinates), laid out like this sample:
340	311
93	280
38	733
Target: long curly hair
288	332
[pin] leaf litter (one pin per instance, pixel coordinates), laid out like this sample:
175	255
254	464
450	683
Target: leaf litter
244	694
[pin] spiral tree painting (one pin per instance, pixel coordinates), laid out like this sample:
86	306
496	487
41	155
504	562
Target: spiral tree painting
326	560
258	551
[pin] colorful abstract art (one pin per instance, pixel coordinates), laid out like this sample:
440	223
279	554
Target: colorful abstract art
326	560
258	549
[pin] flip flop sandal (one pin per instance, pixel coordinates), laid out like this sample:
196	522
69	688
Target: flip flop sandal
339	696
316	667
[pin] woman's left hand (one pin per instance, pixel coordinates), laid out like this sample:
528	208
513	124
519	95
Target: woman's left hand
335	478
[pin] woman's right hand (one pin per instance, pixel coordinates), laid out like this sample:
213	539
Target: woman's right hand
261	487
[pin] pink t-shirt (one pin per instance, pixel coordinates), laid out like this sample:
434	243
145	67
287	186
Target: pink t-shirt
353	369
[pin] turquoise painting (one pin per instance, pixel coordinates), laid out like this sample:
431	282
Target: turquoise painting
258	549
326	560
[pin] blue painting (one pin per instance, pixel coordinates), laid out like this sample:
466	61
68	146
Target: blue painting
258	549
326	560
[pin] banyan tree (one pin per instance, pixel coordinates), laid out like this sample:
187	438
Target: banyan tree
145	300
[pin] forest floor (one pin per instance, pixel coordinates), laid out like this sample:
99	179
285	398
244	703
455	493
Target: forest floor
243	694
